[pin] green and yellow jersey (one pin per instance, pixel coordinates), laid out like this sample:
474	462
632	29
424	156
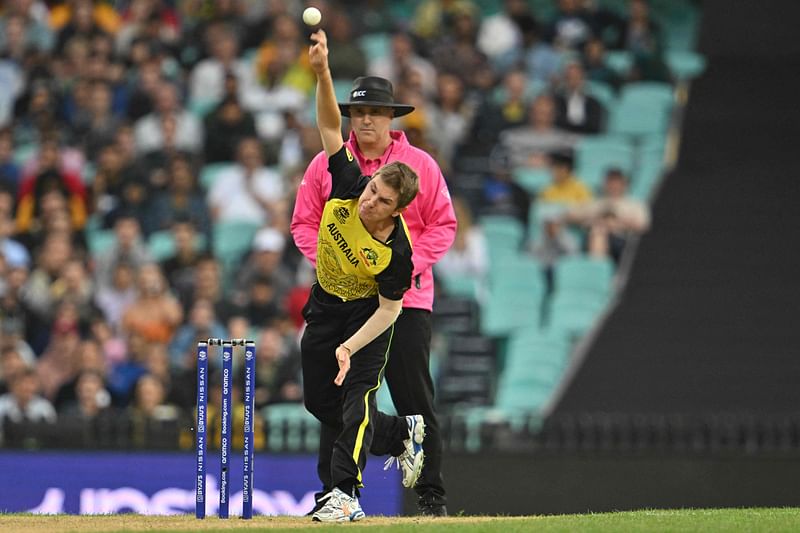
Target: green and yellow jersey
351	263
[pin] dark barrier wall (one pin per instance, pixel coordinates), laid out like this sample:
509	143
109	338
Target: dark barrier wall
524	484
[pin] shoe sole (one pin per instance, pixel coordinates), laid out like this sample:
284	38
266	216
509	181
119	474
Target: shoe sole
417	437
358	515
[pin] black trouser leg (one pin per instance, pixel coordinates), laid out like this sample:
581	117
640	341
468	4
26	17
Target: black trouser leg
410	383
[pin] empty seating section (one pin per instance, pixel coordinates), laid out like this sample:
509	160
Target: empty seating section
536	327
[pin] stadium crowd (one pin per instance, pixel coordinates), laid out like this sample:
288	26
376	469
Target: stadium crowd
132	132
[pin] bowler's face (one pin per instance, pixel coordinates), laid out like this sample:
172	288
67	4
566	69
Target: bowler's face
371	124
378	202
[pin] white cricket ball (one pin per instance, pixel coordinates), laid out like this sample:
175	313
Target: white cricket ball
312	16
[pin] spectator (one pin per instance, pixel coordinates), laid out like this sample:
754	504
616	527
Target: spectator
225	127
611	219
565	187
456	51
577	111
13	252
208	286
38	291
23	403
501	195
277	370
643	39
155	314
265	261
571	26
208	77
500	34
12	364
404	60
149	411
181	201
248	192
203	324
180	268
468	256
595	64
347	58
10	172
81	24
100	123
115	298
92	399
529	144
168	126
50	177
90	359
434	18
58	364
128	247
281	61
452	113
553	242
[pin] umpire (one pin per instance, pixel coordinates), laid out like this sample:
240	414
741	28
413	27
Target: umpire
432	225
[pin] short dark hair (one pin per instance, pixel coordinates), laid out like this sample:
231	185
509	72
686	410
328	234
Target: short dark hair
402	179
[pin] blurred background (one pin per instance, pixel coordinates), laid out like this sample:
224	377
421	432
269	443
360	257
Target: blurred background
615	325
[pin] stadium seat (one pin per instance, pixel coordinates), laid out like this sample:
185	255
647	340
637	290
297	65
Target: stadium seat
604	93
515	296
375	45
685	65
100	241
595	155
619	61
210	172
161	244
504	235
531	179
290	427
231	241
643	108
580	274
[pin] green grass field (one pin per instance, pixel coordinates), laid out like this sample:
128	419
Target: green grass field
745	520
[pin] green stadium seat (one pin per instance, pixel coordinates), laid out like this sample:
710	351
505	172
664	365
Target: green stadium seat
210	172
595	155
161	244
643	108
531	179
100	241
685	65
504	234
290	427
375	46
583	275
384	400
620	61
604	93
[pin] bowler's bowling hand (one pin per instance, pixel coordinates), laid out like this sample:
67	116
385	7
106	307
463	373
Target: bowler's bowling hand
343	358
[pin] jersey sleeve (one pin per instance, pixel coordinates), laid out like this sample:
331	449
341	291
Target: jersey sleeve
395	279
346	178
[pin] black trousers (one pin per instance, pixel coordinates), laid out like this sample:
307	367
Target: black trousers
348	414
410	383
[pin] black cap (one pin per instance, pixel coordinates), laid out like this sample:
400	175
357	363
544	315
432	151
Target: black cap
374	91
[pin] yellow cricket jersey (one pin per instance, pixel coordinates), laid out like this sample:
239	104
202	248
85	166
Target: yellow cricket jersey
351	263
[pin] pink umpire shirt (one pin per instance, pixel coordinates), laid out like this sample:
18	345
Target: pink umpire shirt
430	217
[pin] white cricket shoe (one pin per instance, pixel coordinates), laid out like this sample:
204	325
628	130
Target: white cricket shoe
413	457
339	508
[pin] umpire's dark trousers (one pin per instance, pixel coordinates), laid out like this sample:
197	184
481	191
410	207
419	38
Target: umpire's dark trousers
348	414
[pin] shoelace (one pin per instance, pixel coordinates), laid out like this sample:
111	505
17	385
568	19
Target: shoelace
388	464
